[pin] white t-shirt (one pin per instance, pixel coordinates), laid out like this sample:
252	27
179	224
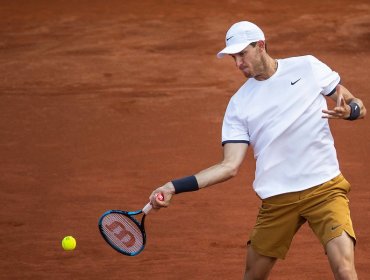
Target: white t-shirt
281	117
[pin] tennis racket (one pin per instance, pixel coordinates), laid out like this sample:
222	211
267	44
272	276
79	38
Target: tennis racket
123	232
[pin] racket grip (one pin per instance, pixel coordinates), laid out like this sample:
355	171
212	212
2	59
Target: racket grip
147	208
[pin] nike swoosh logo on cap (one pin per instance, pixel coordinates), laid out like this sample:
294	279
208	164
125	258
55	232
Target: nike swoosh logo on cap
227	39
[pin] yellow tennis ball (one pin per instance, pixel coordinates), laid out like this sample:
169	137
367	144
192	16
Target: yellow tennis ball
69	243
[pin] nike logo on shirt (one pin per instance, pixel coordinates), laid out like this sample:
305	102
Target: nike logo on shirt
293	83
227	39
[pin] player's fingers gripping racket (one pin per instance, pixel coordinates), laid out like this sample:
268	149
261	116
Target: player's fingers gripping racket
123	232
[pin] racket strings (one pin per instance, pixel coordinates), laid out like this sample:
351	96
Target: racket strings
123	233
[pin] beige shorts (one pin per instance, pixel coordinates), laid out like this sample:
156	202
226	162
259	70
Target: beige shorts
325	207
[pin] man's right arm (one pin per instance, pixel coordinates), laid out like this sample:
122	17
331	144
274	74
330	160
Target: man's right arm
233	156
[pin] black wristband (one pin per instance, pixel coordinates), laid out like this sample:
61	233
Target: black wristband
355	111
186	184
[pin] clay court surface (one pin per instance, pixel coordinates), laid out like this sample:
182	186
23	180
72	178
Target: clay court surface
103	101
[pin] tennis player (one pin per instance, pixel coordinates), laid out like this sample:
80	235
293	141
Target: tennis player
281	111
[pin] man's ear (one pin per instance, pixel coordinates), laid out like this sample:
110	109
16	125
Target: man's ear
261	45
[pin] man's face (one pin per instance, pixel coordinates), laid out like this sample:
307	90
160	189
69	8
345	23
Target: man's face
248	61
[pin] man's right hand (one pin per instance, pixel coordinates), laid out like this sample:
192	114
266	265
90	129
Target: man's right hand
167	191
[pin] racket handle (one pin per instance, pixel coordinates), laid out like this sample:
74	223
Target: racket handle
147	208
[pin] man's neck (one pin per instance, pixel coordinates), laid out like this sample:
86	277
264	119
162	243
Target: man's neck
269	67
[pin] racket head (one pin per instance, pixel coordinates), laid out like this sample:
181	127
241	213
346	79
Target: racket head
123	232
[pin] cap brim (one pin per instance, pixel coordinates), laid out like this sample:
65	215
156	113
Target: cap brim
232	49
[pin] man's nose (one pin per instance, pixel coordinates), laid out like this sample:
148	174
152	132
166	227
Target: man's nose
238	61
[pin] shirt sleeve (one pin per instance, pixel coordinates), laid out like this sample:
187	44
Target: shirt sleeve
233	129
326	78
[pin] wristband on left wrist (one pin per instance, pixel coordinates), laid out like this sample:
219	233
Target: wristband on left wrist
185	184
355	111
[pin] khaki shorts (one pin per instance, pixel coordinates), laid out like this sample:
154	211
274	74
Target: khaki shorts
325	207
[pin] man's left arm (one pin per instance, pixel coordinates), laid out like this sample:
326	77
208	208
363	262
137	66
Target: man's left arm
347	106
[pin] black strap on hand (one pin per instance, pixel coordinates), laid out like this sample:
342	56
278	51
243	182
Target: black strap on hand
355	111
186	184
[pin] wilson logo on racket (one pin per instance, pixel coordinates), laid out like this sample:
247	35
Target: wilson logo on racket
123	233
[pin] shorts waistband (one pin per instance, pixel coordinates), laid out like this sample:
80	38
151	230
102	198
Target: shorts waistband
292	197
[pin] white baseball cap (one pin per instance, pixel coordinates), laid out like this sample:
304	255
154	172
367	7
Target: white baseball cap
239	36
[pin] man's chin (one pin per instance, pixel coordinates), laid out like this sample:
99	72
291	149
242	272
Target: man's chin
247	75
